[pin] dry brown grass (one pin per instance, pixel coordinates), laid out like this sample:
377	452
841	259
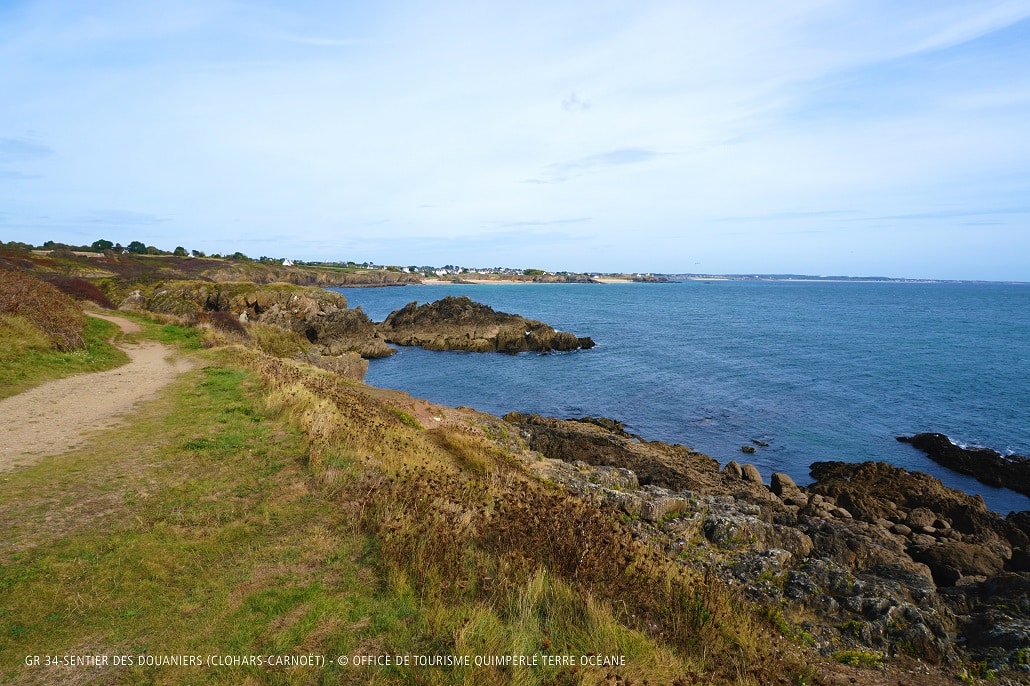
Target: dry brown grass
49	310
519	564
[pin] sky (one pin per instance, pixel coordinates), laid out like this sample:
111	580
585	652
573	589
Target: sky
851	137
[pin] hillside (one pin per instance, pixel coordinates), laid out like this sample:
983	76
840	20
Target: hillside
118	271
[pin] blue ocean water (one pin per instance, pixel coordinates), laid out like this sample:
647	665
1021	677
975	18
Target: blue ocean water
818	370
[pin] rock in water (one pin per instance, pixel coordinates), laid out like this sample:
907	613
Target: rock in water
458	323
986	465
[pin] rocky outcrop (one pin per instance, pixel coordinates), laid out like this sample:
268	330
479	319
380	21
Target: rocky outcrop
321	316
590	441
875	556
458	323
986	465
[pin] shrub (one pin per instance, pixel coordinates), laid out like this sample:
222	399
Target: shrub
227	322
49	310
81	289
277	341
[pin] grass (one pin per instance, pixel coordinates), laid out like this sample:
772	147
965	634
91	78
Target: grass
860	657
28	359
192	531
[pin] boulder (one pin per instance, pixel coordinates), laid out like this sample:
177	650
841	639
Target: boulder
788	491
949	561
752	474
920	517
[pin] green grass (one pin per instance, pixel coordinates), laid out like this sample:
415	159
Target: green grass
860	657
192	531
27	359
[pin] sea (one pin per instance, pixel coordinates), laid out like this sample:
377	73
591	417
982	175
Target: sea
816	370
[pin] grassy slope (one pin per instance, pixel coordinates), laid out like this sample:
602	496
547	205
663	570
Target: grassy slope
263	507
27	359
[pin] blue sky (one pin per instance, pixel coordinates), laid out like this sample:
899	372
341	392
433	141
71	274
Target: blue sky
816	136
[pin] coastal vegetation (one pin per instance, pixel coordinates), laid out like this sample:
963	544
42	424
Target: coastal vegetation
44	335
269	503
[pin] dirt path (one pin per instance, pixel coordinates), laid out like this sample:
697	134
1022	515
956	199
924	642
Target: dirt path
57	416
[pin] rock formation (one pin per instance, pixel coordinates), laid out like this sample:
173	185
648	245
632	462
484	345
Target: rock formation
986	465
323	318
319	315
882	558
458	323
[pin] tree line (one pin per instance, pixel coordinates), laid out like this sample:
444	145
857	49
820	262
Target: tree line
103	245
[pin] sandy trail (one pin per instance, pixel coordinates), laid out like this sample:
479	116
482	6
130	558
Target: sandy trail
57	416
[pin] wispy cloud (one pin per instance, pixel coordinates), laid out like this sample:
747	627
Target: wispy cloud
122	218
11	175
321	41
563	171
545	222
954	213
16	149
799	214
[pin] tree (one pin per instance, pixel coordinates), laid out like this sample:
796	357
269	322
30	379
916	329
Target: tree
137	248
102	245
179	251
197	253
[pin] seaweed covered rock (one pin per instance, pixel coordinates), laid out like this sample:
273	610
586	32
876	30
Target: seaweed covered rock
458	323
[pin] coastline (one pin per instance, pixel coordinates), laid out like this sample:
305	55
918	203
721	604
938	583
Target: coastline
487	282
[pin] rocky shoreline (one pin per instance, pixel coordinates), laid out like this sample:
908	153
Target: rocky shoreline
868	556
985	465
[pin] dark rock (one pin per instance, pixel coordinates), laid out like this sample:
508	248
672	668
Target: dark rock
949	561
346	330
750	449
986	465
671	466
870	490
458	323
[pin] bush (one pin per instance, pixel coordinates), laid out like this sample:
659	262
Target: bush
81	289
226	322
49	310
277	341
